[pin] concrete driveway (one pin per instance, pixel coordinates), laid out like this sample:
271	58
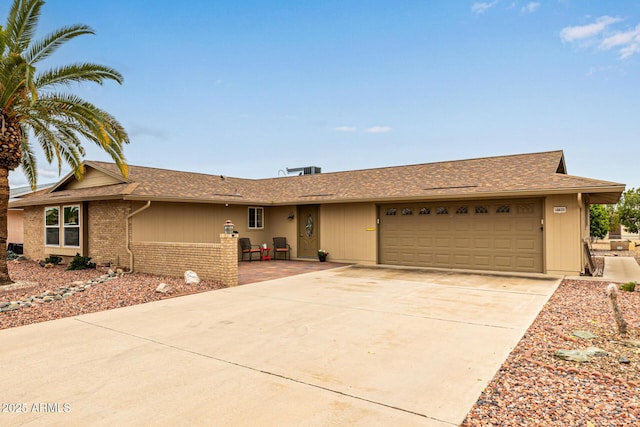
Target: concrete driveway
350	346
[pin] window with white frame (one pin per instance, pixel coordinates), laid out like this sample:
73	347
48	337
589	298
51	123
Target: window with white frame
256	217
71	226
52	226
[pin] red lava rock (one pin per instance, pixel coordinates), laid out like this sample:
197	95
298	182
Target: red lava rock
130	289
554	392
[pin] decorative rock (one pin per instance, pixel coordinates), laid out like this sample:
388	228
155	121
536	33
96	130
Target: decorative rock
584	334
53	295
119	272
162	288
48	265
191	278
624	360
111	273
579	355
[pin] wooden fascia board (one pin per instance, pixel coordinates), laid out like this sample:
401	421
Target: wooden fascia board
62	200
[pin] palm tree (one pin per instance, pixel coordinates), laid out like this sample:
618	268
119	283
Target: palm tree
33	107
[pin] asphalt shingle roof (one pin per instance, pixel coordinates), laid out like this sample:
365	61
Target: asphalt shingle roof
524	174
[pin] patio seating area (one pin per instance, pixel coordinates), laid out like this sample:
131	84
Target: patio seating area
251	272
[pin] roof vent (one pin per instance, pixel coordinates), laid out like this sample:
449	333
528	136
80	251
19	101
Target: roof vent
307	170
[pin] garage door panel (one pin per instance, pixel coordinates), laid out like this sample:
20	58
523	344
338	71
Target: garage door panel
524	244
463	243
504	261
482	261
500	235
482	243
502	244
443	243
525	262
527	225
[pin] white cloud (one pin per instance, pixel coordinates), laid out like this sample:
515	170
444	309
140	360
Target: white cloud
345	129
530	7
627	43
482	7
582	32
379	129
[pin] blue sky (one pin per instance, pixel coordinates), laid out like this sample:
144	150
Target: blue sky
248	88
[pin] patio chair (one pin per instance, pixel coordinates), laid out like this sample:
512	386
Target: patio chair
248	248
280	246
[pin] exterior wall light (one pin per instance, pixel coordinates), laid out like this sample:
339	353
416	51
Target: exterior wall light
228	227
291	216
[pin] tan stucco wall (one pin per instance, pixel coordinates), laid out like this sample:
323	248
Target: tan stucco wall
280	225
349	232
192	223
563	235
15	229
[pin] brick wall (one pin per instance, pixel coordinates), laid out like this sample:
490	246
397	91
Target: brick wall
107	240
34	232
213	261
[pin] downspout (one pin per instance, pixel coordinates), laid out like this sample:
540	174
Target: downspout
126	227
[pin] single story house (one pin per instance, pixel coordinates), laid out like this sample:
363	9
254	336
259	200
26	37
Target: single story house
517	213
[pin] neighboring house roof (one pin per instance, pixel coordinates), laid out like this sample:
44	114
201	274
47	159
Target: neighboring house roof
529	175
18	192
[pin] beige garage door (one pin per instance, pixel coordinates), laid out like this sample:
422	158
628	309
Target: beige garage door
503	235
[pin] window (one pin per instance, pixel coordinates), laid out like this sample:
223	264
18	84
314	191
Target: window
407	211
391	211
482	210
256	218
462	210
52	226
504	209
71	226
70	230
425	211
442	211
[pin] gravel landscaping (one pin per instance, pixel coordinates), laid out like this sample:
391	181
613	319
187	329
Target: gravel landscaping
532	388
130	289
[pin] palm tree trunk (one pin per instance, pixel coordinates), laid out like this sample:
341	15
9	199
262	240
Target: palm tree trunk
4	206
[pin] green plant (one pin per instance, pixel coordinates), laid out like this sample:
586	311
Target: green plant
80	262
38	106
629	286
53	259
598	221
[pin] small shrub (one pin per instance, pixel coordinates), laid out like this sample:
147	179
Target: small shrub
53	259
629	286
80	262
11	255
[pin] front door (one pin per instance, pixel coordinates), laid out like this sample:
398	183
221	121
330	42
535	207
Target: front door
308	231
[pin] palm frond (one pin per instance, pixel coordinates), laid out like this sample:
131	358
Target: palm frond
77	73
42	49
60	122
21	23
28	162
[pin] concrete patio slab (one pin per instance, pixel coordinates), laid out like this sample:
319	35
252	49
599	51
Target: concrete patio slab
347	346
